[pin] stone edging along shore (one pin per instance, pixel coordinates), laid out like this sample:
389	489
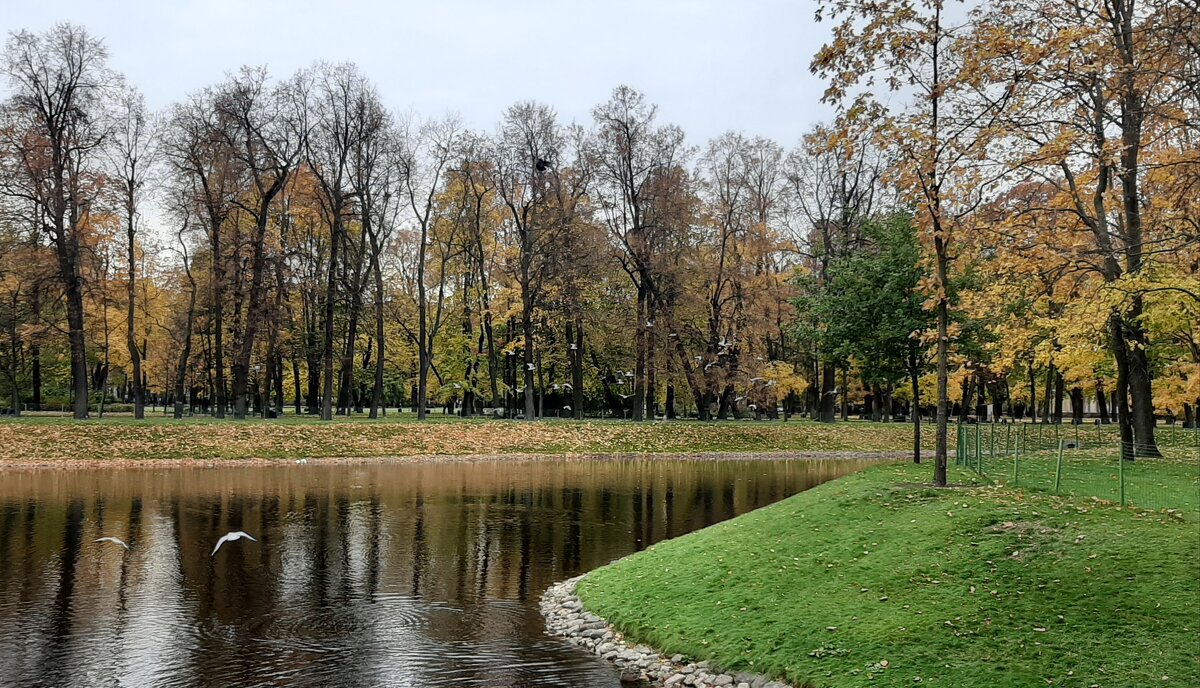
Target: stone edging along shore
566	618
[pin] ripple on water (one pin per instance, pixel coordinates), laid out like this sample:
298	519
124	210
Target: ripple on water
431	582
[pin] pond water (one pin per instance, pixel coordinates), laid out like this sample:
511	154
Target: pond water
363	575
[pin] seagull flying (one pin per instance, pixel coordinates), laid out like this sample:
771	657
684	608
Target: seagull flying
624	396
574	347
230	537
530	366
567	386
117	540
756	379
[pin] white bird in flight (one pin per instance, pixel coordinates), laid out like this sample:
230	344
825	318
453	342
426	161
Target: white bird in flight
117	540
230	537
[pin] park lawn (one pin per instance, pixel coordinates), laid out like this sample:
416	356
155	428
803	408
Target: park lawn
56	440
877	579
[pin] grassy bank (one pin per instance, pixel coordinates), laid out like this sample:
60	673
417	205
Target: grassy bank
877	579
50	440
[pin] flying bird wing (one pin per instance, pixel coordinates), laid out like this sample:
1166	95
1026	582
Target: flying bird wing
119	541
230	537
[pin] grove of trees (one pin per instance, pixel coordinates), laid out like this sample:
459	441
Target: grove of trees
1005	213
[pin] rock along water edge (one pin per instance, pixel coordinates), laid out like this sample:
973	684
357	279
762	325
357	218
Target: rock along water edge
566	618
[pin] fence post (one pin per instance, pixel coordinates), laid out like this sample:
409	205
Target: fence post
1121	475
1058	468
978	452
1016	466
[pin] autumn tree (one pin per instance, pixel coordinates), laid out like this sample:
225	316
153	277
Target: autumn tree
55	124
915	46
539	199
132	147
345	119
835	183
426	152
632	158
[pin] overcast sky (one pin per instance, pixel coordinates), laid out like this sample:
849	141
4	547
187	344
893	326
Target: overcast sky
710	65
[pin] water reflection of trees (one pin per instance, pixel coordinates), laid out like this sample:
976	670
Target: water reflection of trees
360	572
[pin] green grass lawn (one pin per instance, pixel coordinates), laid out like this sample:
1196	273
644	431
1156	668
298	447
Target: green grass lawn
875	579
51	440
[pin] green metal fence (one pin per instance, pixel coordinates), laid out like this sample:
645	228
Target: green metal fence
1086	461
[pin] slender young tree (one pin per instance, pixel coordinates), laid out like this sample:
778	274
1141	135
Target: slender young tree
132	148
426	151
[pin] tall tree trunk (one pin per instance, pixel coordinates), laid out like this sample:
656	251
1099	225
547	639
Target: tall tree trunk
828	402
1102	402
1032	393
527	366
846	395
964	407
914	375
35	355
35	351
346	374
639	366
377	385
186	353
651	367
1048	396
577	370
1124	419
135	356
1077	405
296	382
77	340
331	290
1059	392
14	357
218	319
1140	392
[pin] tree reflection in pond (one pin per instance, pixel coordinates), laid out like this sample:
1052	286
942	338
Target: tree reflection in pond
404	574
